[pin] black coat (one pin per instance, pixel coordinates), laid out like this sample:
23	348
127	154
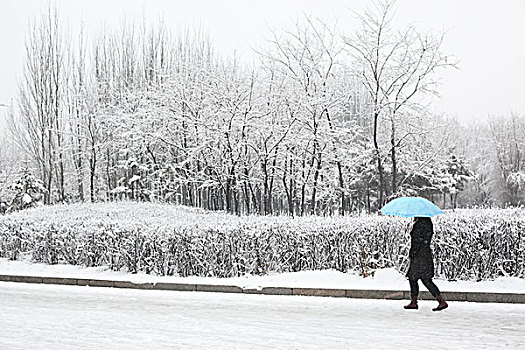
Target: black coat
421	261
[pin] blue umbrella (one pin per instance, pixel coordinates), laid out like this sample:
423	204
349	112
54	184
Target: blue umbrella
411	206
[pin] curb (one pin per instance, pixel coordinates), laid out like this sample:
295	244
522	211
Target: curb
512	298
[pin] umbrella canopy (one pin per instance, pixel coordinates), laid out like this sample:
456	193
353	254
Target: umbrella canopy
410	207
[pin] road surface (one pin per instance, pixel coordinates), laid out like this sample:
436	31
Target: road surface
35	316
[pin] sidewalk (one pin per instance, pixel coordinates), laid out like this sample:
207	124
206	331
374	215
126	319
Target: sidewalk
386	284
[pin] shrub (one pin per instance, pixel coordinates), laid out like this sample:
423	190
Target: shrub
167	240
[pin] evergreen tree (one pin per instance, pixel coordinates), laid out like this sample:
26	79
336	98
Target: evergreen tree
28	191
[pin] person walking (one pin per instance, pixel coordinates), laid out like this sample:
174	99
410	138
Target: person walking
421	263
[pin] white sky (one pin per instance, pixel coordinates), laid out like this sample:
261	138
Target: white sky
487	36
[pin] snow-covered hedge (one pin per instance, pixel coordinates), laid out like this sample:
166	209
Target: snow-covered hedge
167	240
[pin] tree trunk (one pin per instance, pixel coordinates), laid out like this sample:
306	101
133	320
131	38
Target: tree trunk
379	163
316	177
341	188
393	157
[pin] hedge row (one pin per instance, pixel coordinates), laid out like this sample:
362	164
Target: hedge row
467	244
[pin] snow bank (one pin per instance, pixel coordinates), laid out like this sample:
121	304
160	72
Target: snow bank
383	279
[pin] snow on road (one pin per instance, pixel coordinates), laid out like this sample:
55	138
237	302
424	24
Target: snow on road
71	317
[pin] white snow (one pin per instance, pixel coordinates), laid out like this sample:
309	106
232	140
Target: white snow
68	317
27	199
384	279
135	178
119	189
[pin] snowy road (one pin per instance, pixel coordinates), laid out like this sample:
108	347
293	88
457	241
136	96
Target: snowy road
70	317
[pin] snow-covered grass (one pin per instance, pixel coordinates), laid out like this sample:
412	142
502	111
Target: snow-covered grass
167	240
383	279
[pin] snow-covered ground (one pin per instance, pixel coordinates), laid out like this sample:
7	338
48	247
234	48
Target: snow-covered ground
385	279
36	316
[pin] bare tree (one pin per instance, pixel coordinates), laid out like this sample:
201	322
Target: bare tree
396	67
42	94
507	135
137	112
307	57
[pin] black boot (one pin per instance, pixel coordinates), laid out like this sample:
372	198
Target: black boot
412	305
442	303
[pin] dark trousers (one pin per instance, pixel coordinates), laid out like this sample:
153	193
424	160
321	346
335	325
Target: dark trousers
432	288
